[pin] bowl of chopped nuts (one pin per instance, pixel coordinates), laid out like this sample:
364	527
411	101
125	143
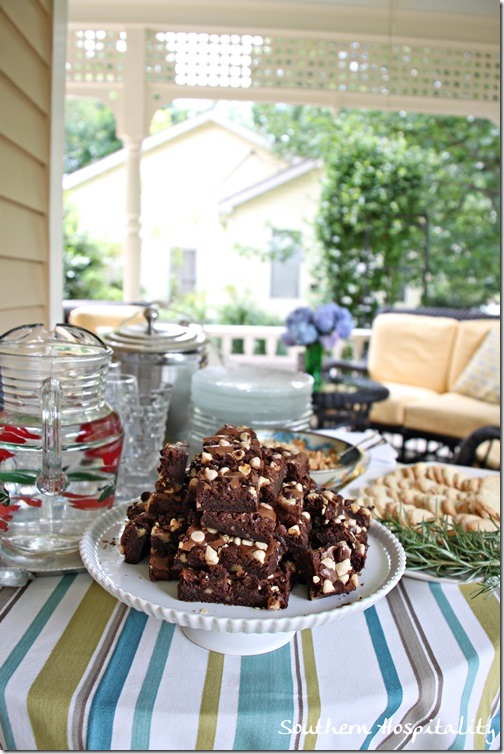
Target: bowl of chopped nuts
333	462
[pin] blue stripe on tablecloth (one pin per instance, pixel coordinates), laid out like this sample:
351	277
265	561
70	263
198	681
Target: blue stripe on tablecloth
391	680
494	729
140	733
265	699
25	643
469	653
101	715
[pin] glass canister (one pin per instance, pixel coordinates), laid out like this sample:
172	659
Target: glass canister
160	353
60	442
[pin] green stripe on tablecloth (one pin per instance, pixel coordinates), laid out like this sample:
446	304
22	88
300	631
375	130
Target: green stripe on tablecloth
64	668
487	612
89	682
209	707
469	653
312	688
265	700
22	648
142	717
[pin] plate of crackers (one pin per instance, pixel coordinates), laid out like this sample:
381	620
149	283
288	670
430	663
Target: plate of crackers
447	518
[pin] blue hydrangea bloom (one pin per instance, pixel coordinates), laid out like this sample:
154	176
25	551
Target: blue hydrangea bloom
327	324
325	318
303	314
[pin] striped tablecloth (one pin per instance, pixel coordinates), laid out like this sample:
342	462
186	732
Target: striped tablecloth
81	671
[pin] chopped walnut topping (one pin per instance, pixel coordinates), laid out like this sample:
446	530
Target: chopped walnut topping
343	567
329	563
211	556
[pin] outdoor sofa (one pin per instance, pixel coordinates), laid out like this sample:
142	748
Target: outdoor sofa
442	373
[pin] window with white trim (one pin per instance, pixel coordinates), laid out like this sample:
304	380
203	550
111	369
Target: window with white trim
285	264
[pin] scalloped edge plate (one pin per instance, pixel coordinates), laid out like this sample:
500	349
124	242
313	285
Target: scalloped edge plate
130	584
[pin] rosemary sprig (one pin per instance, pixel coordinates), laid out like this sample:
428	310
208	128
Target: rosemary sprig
448	550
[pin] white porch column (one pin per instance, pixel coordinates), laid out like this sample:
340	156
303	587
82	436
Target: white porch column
132	250
132	128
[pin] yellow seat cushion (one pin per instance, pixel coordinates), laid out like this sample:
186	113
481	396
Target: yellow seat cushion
391	410
481	377
490	453
98	318
451	414
470	335
412	349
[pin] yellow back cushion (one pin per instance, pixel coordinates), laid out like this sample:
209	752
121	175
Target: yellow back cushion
481	377
412	349
470	335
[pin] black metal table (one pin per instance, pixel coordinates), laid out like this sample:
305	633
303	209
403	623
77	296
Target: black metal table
346	400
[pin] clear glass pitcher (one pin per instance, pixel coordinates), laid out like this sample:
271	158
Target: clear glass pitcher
60	442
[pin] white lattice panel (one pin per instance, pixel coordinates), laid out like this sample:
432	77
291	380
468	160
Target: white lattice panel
96	56
246	61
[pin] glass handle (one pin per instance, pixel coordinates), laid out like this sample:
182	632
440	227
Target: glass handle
51	480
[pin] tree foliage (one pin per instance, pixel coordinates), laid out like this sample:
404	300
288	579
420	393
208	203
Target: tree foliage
407	199
88	265
89	133
371	222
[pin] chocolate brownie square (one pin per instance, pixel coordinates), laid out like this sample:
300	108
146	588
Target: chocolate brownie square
166	532
272	476
164	541
290	499
259	558
297	462
336	519
134	543
271	593
191	481
258	525
197	585
204	548
227	490
199	548
323	505
137	507
172	465
294	532
246	590
231	446
328	571
161	566
170	502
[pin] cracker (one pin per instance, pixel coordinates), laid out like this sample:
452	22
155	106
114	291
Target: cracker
438	490
471	522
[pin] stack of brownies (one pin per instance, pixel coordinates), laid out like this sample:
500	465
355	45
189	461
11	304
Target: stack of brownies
244	523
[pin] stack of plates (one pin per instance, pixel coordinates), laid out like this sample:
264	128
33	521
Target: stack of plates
256	397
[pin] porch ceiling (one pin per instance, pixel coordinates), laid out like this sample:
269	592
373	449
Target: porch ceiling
419	55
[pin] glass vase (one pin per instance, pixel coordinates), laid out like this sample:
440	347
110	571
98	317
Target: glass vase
314	355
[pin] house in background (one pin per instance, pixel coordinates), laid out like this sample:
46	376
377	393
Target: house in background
210	187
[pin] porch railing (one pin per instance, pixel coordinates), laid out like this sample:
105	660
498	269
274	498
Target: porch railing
261	344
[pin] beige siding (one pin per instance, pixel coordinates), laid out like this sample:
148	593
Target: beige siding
25	85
